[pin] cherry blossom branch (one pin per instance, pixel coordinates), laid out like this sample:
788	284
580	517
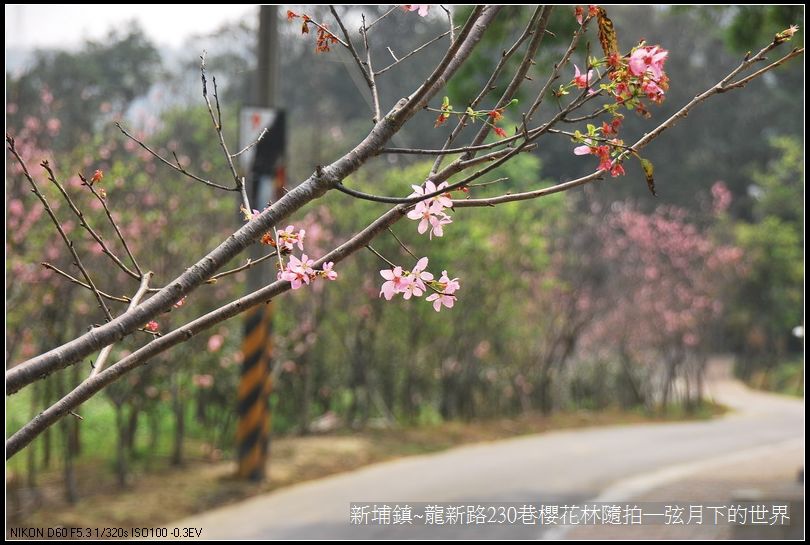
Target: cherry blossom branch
83	284
83	221
720	87
85	390
76	259
178	167
113	223
313	187
105	352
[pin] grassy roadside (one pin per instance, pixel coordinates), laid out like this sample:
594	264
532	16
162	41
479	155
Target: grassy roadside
785	378
163	495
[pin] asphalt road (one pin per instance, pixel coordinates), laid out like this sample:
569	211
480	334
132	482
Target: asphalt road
606	463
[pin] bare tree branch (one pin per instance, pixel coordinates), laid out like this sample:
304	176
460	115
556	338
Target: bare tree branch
178	167
75	280
83	221
217	121
76	259
113	223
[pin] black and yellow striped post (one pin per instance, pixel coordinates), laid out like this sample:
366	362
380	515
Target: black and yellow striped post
253	428
265	163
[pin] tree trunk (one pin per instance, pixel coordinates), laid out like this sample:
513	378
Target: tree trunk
179	423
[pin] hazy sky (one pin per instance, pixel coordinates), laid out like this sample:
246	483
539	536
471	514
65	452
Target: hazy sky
68	25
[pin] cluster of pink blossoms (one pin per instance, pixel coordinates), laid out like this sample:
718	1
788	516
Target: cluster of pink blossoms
430	212
632	78
299	271
288	238
416	282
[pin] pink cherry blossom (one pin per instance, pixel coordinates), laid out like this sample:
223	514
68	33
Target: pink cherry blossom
287	238
421	8
328	273
440	299
582	81
152	326
298	271
582	150
437	224
397	282
442	200
648	59
430	212
418	278
446	297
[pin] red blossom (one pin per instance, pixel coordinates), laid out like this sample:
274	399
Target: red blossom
97	176
499	131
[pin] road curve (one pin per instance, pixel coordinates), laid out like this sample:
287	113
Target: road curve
563	466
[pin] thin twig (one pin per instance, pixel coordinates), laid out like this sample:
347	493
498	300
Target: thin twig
365	70
246	266
176	167
393	234
381	17
744	81
82	284
372	83
243	150
113	222
378	254
414	52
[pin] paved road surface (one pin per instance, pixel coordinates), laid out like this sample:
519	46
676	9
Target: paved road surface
565	466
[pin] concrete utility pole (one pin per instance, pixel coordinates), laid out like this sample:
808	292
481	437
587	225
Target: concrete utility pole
265	181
